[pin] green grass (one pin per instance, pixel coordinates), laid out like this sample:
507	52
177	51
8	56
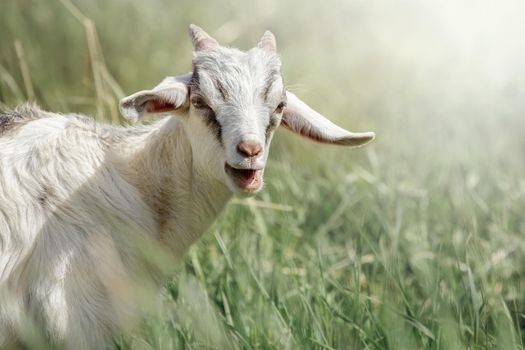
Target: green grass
414	242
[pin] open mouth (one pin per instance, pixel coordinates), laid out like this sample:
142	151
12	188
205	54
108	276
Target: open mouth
248	180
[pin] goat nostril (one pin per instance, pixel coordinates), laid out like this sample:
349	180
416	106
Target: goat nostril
249	148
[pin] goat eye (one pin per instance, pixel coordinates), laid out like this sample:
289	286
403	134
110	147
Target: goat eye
199	103
280	108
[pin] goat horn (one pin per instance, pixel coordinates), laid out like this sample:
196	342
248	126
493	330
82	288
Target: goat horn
201	40
267	42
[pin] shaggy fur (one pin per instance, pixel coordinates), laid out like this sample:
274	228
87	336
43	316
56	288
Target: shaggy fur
69	221
81	202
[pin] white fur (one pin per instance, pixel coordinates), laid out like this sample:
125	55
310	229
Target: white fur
81	202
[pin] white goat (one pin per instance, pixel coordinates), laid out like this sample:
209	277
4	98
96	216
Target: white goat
77	198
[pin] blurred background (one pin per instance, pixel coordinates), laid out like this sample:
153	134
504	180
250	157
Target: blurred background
416	241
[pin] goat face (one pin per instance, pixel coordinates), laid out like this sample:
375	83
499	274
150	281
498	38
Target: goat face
231	104
239	98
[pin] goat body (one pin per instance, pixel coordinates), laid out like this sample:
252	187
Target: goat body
76	197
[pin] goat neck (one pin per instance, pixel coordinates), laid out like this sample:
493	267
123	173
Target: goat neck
183	197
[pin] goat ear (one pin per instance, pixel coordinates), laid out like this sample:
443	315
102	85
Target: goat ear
303	120
169	96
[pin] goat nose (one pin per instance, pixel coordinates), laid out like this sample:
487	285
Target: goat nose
249	148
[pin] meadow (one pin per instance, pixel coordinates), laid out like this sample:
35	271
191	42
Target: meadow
416	241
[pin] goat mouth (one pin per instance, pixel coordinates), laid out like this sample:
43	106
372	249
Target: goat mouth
248	180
